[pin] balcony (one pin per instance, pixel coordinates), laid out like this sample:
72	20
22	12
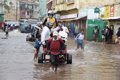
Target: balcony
61	7
69	2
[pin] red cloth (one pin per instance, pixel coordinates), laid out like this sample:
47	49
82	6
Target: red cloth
55	45
95	37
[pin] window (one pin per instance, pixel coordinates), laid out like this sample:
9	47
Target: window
69	1
60	1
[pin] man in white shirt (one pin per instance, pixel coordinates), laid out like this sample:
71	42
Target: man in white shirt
45	34
63	32
59	27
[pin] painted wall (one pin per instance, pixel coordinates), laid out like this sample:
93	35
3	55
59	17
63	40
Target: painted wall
61	5
12	14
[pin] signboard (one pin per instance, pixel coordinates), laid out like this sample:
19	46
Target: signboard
69	16
102	9
112	8
107	12
117	10
82	13
92	15
96	10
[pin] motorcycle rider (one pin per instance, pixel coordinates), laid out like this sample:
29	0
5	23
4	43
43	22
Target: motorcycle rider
51	19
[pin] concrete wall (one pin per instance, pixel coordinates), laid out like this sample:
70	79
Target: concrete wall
62	5
13	13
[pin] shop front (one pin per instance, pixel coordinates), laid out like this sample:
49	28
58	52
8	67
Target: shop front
82	20
92	21
1	21
70	20
115	22
112	17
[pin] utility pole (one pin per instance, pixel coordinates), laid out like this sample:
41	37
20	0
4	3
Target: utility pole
16	10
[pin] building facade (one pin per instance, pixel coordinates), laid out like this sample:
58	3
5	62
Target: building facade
69	13
10	11
81	13
108	15
29	9
1	13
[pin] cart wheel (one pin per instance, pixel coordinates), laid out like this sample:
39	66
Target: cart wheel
40	58
69	59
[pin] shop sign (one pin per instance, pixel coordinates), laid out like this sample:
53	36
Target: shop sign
117	9
92	15
102	9
96	10
107	12
82	13
69	16
112	8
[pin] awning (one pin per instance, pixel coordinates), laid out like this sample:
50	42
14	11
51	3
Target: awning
73	19
81	17
68	19
1	13
111	18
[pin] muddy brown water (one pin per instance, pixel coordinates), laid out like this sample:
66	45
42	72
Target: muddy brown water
96	62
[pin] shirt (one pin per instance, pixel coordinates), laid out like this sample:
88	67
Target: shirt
63	35
118	33
63	27
80	36
45	34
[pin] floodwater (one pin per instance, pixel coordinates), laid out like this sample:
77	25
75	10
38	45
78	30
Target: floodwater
97	62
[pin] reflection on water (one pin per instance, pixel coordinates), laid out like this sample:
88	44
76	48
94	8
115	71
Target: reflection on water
97	62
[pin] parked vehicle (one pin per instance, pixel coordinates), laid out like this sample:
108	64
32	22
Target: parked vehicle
27	25
24	26
13	24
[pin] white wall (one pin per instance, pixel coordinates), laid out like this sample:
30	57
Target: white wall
1	6
92	15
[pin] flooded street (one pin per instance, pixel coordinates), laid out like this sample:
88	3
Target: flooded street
96	62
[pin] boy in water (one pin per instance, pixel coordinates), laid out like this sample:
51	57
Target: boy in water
80	40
